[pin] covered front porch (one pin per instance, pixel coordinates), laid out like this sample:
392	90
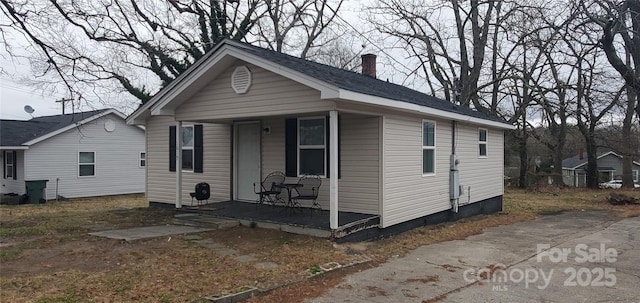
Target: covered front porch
295	220
345	153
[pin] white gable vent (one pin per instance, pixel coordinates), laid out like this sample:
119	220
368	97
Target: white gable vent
241	79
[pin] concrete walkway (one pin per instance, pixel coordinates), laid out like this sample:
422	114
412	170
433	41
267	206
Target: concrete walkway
571	257
146	232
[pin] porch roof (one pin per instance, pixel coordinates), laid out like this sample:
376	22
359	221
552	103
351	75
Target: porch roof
332	82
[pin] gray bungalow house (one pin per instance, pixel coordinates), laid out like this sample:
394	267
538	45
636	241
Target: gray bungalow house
398	157
609	168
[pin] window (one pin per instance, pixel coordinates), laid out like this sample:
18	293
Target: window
143	159
187	147
192	148
9	164
635	176
428	147
86	164
311	146
482	142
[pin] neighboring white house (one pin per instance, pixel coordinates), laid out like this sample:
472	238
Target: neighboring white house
83	154
574	169
381	148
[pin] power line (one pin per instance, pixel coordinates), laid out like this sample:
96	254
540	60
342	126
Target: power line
26	91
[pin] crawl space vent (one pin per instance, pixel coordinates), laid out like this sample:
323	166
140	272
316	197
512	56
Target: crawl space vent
241	79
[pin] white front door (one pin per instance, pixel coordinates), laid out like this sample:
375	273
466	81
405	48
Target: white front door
247	160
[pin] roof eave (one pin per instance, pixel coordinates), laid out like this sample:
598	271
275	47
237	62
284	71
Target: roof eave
14	147
405	106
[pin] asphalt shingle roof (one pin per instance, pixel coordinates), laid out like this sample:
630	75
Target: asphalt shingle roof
364	84
18	132
579	160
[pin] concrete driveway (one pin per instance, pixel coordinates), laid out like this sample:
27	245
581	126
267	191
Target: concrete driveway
570	257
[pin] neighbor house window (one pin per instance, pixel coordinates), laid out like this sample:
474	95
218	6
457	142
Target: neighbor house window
86	164
9	163
482	142
311	146
428	147
635	176
143	159
187	147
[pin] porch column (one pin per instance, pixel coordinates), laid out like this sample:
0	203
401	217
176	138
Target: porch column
179	164
333	164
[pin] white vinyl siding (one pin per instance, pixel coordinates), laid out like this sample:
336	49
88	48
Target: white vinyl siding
635	176
116	160
481	178
270	95
407	194
359	184
161	183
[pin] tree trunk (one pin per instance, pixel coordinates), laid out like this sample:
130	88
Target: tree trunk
592	160
627	155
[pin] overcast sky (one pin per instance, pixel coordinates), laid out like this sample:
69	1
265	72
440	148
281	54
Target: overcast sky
14	95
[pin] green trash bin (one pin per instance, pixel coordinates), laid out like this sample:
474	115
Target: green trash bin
35	190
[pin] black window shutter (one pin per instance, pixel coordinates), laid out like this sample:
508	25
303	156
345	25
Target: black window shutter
4	164
328	145
291	147
197	148
328	132
172	148
15	165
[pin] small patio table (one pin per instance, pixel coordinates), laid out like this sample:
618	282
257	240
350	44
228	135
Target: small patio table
289	187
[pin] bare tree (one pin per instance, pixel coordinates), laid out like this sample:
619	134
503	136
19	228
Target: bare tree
137	46
297	26
450	51
619	24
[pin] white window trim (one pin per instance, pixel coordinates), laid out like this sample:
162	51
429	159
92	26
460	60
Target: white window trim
423	147
485	142
140	159
636	175
324	146
95	167
191	148
8	168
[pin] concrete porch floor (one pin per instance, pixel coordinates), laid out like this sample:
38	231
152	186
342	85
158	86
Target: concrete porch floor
294	220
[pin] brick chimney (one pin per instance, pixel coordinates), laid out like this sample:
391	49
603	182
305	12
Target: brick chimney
581	153
369	65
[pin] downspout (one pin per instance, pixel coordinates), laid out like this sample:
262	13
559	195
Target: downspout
179	164
454	174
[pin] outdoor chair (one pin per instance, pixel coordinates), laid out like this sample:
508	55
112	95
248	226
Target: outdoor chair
308	189
270	188
202	193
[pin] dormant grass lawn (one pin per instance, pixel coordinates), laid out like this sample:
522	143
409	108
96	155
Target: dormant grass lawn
46	254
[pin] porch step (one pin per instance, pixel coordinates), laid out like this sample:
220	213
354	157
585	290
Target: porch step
200	220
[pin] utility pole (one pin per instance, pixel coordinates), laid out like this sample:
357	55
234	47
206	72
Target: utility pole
64	101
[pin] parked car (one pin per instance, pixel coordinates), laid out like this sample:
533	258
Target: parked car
615	184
